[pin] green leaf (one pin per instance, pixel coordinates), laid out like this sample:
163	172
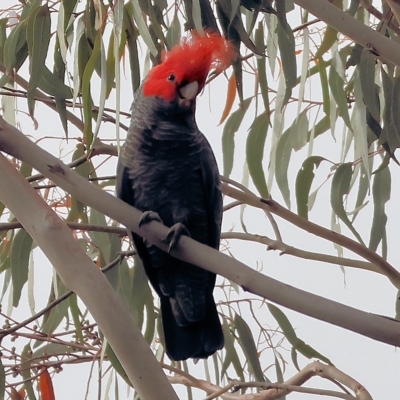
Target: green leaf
255	152
248	345
196	13
3	36
397	306
103	93
325	90
228	136
117	365
291	336
15	47
2	381
76	316
368	87
38	37
236	25
69	7
293	355
330	37
53	318
279	375
231	355
299	131
150	315
20	252
394	134
283	323
363	188
340	188
336	84
55	349
174	32
381	195
304	181
143	29
131	36
26	362
86	93
286	44
321	127
139	292
110	64
262	68
283	153
100	239
53	85
59	72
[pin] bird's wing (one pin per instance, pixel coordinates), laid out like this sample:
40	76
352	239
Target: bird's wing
124	191
212	192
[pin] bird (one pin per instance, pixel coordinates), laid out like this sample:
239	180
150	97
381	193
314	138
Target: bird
167	170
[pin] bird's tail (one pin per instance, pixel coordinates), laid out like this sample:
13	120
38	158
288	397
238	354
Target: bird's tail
197	339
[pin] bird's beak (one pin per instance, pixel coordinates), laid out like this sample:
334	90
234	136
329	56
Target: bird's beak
189	91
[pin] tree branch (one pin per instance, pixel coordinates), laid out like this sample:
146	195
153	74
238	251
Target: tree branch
293	251
382	265
77	271
376	327
277	390
387	49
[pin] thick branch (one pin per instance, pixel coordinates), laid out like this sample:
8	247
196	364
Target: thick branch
78	272
382	265
376	327
276	390
387	49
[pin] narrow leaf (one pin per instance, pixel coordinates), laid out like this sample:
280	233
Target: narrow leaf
255	152
291	336
230	98
228	136
286	46
336	83
367	79
283	323
2	381
143	29
304	181
249	347
38	35
381	195
14	46
174	32
131	36
261	67
21	249
26	362
86	92
283	152
231	356
53	85
46	386
340	188
279	375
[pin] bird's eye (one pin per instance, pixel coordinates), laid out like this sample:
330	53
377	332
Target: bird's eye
171	78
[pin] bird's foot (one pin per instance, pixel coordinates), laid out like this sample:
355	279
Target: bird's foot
174	234
149	216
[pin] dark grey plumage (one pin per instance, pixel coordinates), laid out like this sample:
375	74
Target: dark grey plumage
167	166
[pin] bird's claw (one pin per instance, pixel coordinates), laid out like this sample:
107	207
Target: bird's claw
149	216
174	234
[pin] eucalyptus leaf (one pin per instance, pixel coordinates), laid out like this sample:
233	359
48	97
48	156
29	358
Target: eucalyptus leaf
19	260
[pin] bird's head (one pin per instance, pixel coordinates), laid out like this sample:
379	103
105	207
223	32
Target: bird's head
183	72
